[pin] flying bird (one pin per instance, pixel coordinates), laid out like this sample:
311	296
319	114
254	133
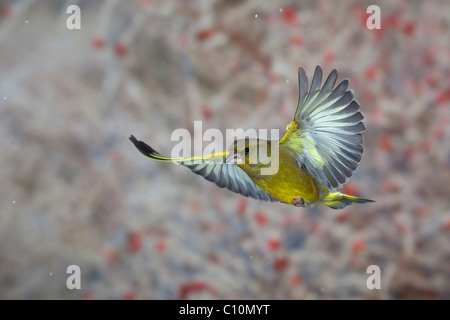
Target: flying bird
320	151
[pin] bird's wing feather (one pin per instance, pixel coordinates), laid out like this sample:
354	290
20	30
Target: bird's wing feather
327	137
229	176
224	175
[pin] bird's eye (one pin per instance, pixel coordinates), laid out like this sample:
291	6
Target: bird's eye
247	150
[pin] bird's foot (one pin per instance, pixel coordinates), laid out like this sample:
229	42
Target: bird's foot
298	202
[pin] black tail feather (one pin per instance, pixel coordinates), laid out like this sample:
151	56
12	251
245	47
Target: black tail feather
144	148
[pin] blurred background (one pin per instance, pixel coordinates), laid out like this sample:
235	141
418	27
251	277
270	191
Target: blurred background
75	191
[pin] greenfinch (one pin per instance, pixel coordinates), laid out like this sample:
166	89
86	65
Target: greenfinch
320	151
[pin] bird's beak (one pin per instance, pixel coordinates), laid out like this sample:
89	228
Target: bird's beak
233	158
230	157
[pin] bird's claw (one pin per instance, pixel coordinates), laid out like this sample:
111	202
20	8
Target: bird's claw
298	202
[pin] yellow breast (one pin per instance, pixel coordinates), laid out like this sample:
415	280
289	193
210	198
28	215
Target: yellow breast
289	182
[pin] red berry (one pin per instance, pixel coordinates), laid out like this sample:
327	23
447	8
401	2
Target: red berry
287	219
442	97
97	43
388	186
431	80
368	95
5	12
135	241
378	33
144	3
385	143
241	206
349	188
360	13
421	211
204	34
160	245
110	254
261	218
377	112
273	78
197	285
297	41
128	296
295	280
206	112
315	227
87	295
195	205
213	289
213	257
121	49
273	243
371	72
342	217
390	21
409	28
290	16
358	245
329	56
280	263
191	287
447	224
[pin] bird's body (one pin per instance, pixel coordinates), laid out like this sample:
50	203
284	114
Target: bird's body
320	151
286	183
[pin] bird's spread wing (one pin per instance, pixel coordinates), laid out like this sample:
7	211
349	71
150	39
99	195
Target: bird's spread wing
224	175
326	130
231	177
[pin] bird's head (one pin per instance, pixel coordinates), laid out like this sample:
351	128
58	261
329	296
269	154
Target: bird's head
250	153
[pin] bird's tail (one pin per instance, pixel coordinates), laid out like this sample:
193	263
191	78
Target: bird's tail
339	200
148	151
